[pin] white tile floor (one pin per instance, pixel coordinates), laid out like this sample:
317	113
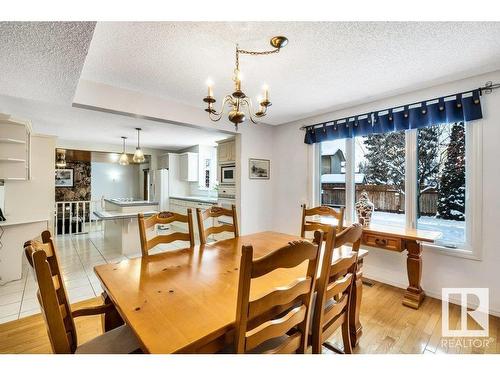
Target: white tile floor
78	255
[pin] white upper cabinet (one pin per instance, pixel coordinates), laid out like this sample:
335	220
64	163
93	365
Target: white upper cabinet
14	148
163	161
226	152
188	166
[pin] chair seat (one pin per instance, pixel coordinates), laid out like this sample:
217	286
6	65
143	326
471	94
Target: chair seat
120	340
260	349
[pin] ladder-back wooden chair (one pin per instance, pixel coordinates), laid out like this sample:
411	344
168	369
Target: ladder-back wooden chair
334	290
322	211
216	212
165	218
262	324
57	313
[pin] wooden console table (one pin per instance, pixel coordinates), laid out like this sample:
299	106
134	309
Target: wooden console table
398	240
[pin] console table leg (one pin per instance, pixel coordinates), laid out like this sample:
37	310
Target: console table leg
414	294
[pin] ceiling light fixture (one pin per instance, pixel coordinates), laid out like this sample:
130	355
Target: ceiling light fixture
138	154
238	102
123	157
60	158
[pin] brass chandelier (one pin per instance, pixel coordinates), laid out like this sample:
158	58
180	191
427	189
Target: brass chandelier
238	103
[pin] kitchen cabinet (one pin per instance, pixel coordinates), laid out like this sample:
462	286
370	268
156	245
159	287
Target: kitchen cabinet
180	206
163	161
226	151
188	166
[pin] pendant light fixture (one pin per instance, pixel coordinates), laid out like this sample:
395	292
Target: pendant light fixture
238	104
60	158
138	154
123	157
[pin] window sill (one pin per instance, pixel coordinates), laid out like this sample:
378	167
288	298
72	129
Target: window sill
458	253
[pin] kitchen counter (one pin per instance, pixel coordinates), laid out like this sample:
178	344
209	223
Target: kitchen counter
10	222
121	226
196	198
124	203
113	215
14	232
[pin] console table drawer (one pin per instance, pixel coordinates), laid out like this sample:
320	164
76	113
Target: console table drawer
384	242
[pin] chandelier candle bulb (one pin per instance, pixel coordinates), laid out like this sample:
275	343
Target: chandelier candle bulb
266	93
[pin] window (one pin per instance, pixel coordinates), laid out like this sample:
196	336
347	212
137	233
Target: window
379	169
441	182
333	177
427	178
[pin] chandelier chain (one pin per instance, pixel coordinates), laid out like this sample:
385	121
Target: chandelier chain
258	52
254	53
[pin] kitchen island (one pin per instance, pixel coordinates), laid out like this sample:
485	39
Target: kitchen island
121	227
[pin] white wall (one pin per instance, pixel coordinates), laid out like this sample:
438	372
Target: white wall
256	196
113	180
34	199
293	185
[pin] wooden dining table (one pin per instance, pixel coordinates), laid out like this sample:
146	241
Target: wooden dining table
184	301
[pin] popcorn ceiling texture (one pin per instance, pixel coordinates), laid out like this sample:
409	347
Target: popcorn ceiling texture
43	60
326	65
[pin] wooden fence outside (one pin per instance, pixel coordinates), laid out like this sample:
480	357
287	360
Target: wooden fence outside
385	197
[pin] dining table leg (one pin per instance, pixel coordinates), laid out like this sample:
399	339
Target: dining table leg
414	294
111	319
355	328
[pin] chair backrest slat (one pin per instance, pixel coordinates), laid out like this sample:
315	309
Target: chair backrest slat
323	211
338	287
280	296
275	328
165	218
216	212
335	309
281	309
52	294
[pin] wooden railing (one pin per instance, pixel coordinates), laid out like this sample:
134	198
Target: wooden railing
76	217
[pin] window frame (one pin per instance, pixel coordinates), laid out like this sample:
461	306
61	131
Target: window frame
473	183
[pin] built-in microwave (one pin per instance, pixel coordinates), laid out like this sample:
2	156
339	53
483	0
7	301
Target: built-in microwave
228	174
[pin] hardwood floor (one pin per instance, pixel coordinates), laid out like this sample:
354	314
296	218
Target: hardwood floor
388	327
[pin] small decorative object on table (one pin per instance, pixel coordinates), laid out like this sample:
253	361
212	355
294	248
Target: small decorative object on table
364	209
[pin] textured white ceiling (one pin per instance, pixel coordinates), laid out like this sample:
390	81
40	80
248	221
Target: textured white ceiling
82	125
326	65
43	60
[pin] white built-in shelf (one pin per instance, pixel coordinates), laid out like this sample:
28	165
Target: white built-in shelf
13	160
11	140
14	148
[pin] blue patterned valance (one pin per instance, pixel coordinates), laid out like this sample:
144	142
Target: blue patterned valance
465	106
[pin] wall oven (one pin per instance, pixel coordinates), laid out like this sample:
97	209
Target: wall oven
228	174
